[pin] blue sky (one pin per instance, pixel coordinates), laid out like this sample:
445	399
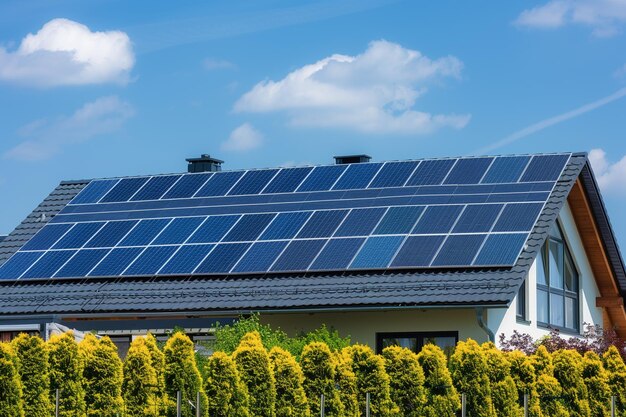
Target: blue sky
111	88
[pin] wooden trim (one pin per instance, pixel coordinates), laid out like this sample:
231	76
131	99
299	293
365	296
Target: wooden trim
610	300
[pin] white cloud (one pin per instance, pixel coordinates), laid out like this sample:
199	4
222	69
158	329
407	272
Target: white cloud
44	138
610	176
243	138
211	64
374	92
64	52
604	17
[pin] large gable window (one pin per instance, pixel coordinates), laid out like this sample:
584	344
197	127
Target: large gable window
557	285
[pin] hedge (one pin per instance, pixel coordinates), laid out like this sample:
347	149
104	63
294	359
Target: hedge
254	382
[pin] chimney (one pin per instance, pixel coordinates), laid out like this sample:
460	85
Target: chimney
352	159
204	164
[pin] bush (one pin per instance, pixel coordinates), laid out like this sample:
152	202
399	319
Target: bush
181	374
616	370
345	381
10	386
255	371
227	337
568	370
32	359
406	380
542	362
290	397
66	374
319	369
471	376
227	394
503	389
597	382
102	377
442	400
371	378
140	382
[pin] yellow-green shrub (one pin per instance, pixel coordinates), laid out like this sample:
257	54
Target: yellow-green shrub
371	378
616	369
503	389
227	394
290	397
33	368
442	399
157	359
345	381
254	368
319	369
597	382
542	362
66	374
102	377
550	397
181	374
140	382
523	373
471	376
406	380
568	370
10	386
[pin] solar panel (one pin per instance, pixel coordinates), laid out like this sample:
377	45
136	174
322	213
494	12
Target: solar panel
445	213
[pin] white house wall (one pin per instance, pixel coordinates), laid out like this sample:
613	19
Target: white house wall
504	321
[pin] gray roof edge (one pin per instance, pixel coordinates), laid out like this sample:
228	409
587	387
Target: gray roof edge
600	213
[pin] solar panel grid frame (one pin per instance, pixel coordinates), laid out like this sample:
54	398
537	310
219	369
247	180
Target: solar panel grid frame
380	167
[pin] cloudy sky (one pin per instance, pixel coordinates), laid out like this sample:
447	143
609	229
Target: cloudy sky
111	88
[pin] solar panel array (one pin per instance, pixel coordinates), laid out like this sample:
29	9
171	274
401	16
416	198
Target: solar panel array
445	213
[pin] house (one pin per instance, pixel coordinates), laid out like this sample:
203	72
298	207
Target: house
399	252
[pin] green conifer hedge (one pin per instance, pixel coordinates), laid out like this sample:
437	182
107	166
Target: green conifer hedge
32	359
290	397
227	394
10	385
140	382
406	380
66	374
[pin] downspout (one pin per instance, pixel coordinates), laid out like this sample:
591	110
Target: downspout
483	325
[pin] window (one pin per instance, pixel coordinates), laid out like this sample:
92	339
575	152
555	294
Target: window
521	302
416	340
557	285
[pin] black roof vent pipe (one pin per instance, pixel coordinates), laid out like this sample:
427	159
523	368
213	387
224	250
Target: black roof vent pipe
204	164
352	159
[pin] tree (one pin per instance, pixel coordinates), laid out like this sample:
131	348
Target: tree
568	370
181	374
66	374
140	382
551	397
345	382
290	397
523	373
227	394
406	380
371	378
616	369
442	399
157	359
597	381
254	368
503	389
10	386
319	369
542	362
102	377
471	376
33	368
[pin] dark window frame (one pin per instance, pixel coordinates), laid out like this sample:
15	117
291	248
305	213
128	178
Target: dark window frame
561	292
420	336
521	313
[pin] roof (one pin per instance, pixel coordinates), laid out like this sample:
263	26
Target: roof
389	288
